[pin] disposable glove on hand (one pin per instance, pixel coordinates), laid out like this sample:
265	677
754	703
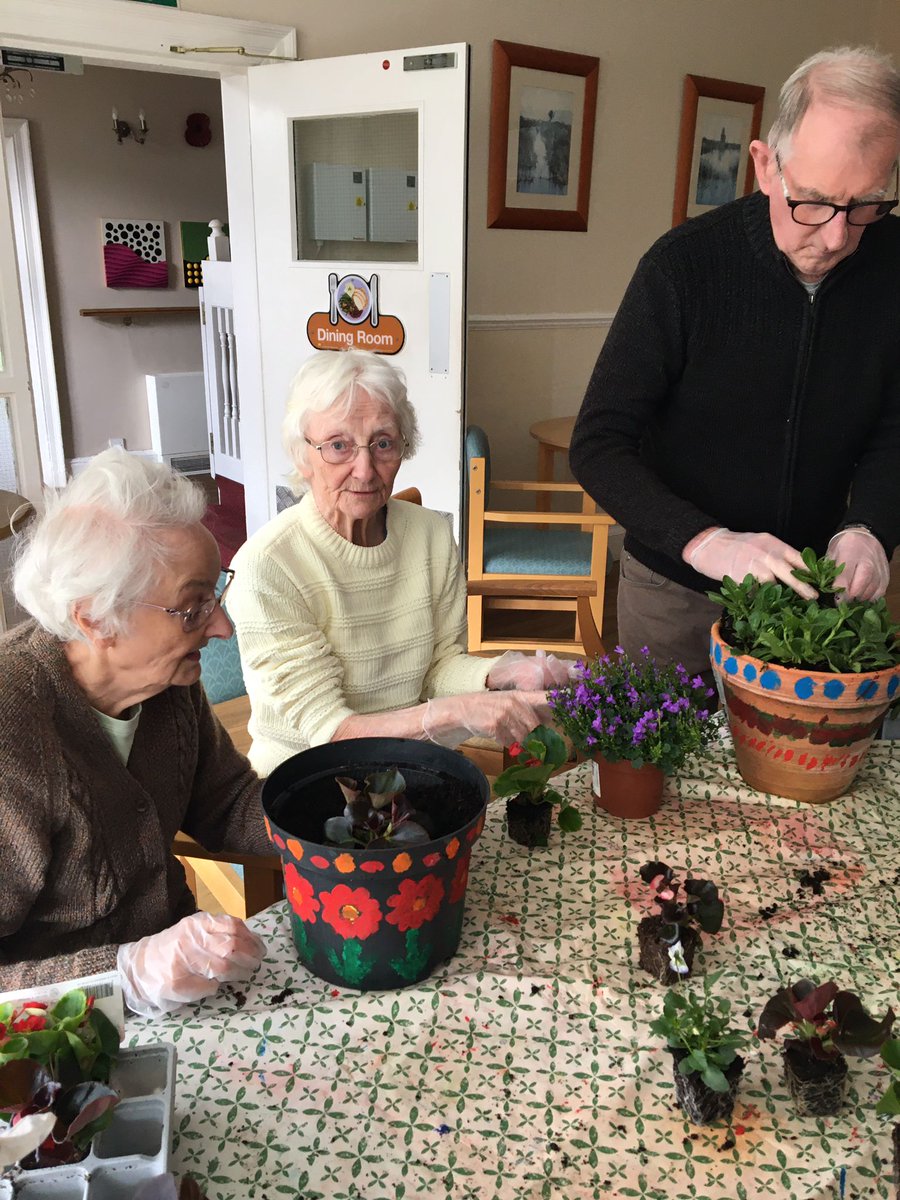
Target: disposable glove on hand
505	716
186	962
528	672
866	573
761	555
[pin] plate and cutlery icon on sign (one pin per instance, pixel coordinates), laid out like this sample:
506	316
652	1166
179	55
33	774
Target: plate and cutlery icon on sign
353	299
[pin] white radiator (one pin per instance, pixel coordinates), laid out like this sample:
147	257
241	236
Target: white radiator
178	430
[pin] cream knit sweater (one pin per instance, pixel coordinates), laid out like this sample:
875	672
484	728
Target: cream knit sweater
327	629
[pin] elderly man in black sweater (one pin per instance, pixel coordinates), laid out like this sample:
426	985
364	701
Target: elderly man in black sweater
746	403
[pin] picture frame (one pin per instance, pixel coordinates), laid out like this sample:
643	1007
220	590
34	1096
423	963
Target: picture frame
543	110
715	167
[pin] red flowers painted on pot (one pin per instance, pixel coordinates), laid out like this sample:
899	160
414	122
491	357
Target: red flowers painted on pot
351	912
300	894
416	902
460	879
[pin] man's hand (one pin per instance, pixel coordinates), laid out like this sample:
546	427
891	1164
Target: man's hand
720	552
866	573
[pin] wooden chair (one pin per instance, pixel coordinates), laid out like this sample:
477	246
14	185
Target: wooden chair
534	559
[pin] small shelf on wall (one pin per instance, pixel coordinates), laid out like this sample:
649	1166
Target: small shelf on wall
127	315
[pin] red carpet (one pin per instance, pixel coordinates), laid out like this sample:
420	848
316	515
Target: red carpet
226	521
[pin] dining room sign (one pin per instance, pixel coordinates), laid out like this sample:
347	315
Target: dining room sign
354	320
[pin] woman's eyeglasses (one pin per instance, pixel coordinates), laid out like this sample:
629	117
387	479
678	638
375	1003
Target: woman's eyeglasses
340	450
193	619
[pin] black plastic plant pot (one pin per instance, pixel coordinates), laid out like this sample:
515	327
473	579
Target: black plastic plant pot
897	1160
817	1085
372	919
700	1103
527	823
654	952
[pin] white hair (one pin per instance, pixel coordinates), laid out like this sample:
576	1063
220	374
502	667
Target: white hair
858	77
331	380
101	543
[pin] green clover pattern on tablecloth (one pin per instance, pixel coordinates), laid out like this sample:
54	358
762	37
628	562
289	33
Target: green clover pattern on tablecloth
525	1067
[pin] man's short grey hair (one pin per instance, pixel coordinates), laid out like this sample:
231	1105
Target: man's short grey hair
849	77
102	543
333	380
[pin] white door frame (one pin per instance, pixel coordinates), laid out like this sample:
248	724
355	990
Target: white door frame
33	287
110	33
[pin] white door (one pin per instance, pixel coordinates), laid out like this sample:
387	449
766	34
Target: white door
20	459
223	403
359	186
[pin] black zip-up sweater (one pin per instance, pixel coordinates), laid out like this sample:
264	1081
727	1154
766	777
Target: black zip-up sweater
724	395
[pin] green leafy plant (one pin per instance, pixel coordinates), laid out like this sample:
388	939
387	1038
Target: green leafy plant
377	814
889	1104
699	1023
541	753
826	1020
771	622
635	709
55	1064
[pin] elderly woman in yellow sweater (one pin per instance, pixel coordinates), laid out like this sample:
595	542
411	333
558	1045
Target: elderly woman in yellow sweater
350	606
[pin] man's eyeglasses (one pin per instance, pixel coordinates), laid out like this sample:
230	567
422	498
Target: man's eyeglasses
193	619
820	212
339	450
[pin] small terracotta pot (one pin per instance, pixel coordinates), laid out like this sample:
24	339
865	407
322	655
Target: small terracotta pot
623	790
800	734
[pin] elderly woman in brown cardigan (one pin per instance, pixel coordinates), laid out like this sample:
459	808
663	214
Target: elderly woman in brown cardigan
108	745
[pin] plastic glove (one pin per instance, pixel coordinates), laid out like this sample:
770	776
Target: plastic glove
528	672
506	717
186	962
767	558
866	573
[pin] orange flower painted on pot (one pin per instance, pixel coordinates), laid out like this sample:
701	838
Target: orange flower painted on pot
402	863
268	827
295	848
452	848
300	894
460	879
279	841
351	912
416	902
345	863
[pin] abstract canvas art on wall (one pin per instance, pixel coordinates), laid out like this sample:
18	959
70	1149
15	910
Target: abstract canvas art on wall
134	254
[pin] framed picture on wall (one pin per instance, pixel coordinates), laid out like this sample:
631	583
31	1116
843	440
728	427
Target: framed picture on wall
719	120
543	104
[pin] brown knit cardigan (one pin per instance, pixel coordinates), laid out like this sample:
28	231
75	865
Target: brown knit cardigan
85	841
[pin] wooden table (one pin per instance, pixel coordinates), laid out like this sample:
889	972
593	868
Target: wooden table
525	1068
553	438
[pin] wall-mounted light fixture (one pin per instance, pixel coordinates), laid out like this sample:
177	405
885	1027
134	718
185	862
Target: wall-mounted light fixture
122	129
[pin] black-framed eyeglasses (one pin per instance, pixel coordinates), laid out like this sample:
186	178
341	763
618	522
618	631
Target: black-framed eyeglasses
340	450
193	619
820	212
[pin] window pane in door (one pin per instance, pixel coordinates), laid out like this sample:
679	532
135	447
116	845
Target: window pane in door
8	475
356	188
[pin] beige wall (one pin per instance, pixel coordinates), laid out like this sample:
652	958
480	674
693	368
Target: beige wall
83	175
645	48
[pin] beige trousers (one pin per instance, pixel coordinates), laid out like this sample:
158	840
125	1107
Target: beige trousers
673	621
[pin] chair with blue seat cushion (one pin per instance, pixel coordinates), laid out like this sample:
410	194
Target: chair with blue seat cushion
533	559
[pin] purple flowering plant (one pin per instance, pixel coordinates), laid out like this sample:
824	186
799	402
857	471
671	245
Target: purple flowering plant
635	709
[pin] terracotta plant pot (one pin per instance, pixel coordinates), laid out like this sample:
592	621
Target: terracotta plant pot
374	919
817	1085
654	953
800	734
528	824
700	1103
625	791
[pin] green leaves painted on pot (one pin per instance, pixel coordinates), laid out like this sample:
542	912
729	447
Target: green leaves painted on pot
771	622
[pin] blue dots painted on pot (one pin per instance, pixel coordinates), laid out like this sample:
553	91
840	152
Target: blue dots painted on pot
770	680
749	672
893	684
833	689
731	666
717	655
867	689
804	687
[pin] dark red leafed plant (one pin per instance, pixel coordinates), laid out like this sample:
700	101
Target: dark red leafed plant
826	1020
55	1064
377	814
700	905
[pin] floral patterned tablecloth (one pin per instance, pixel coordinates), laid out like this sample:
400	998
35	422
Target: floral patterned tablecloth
525	1067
